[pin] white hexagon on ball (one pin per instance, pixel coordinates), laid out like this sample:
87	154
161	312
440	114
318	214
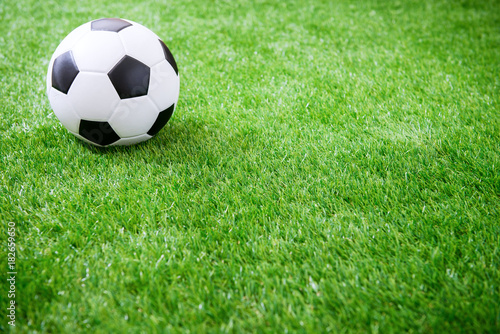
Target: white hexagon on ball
98	51
134	117
113	82
93	96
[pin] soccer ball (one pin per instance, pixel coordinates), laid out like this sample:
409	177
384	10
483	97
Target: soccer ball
113	82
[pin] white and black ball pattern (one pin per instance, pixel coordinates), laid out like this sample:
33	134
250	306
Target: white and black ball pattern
113	82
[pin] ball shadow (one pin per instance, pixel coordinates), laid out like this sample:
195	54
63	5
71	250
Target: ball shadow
179	140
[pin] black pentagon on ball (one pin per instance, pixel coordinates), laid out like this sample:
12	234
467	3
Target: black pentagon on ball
169	57
64	72
109	24
161	120
130	78
100	133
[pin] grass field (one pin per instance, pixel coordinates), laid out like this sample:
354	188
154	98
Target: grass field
332	166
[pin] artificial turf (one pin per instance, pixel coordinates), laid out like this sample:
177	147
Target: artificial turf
332	166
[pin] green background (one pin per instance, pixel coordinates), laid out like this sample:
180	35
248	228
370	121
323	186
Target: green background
332	166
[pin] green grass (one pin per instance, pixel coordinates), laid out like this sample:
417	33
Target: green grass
332	166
